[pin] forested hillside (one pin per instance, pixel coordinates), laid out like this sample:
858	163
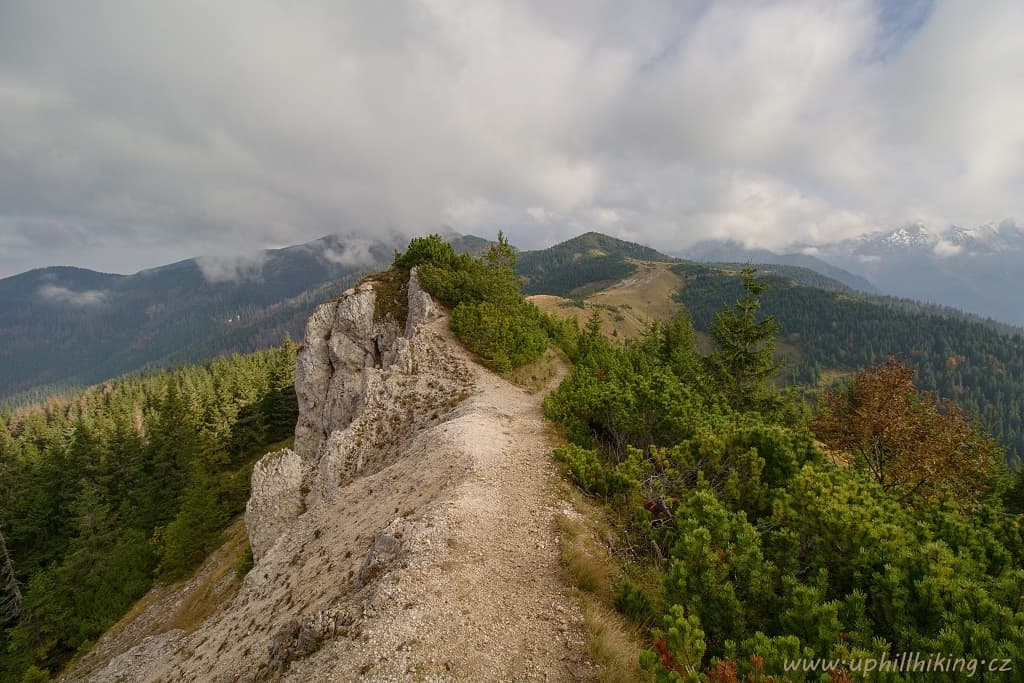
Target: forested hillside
970	362
584	262
63	327
799	274
128	482
730	251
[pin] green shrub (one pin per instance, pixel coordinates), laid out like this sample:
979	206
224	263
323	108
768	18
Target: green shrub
503	337
632	602
490	316
35	675
590	474
245	563
431	250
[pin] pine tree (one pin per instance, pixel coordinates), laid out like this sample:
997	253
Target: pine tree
195	531
744	358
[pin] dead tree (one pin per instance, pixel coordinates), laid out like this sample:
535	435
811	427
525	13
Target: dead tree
10	593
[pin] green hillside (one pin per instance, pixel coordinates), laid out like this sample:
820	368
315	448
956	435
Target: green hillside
743	549
971	362
581	264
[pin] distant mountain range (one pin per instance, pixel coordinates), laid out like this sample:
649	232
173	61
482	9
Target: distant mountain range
62	327
972	269
730	251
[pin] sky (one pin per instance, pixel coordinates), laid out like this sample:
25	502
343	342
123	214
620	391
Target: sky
134	134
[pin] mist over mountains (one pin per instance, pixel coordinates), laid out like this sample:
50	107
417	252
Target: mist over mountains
974	269
65	326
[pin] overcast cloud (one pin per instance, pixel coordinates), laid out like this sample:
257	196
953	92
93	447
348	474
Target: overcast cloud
134	134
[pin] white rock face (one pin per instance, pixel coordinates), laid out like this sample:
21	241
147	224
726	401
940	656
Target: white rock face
276	499
348	363
422	309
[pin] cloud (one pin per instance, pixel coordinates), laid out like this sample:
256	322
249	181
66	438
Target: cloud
232	268
89	297
153	133
944	249
354	253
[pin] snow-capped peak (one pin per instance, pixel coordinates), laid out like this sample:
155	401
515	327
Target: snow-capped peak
909	235
996	237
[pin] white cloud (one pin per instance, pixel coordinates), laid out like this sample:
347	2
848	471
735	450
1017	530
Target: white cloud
945	249
539	214
246	124
89	297
354	253
604	217
232	267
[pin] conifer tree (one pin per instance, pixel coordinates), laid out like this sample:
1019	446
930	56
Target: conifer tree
280	407
196	529
744	358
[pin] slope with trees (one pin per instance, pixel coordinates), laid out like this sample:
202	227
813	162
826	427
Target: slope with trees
62	328
979	367
126	483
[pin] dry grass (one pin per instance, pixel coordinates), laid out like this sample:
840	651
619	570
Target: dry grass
627	306
591	568
588	566
648	294
612	644
390	287
537	375
216	582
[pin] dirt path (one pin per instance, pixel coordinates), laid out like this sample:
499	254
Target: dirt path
488	602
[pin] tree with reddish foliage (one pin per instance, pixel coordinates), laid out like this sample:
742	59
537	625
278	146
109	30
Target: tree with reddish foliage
914	445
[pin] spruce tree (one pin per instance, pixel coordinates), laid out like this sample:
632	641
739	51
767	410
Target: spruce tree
280	407
744	357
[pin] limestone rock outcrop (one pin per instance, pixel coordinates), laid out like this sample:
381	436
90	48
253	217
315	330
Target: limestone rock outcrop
352	362
277	499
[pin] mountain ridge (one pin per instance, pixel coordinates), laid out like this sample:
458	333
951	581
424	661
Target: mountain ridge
975	269
403	454
64	326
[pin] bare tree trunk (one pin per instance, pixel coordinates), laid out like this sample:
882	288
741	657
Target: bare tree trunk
10	593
